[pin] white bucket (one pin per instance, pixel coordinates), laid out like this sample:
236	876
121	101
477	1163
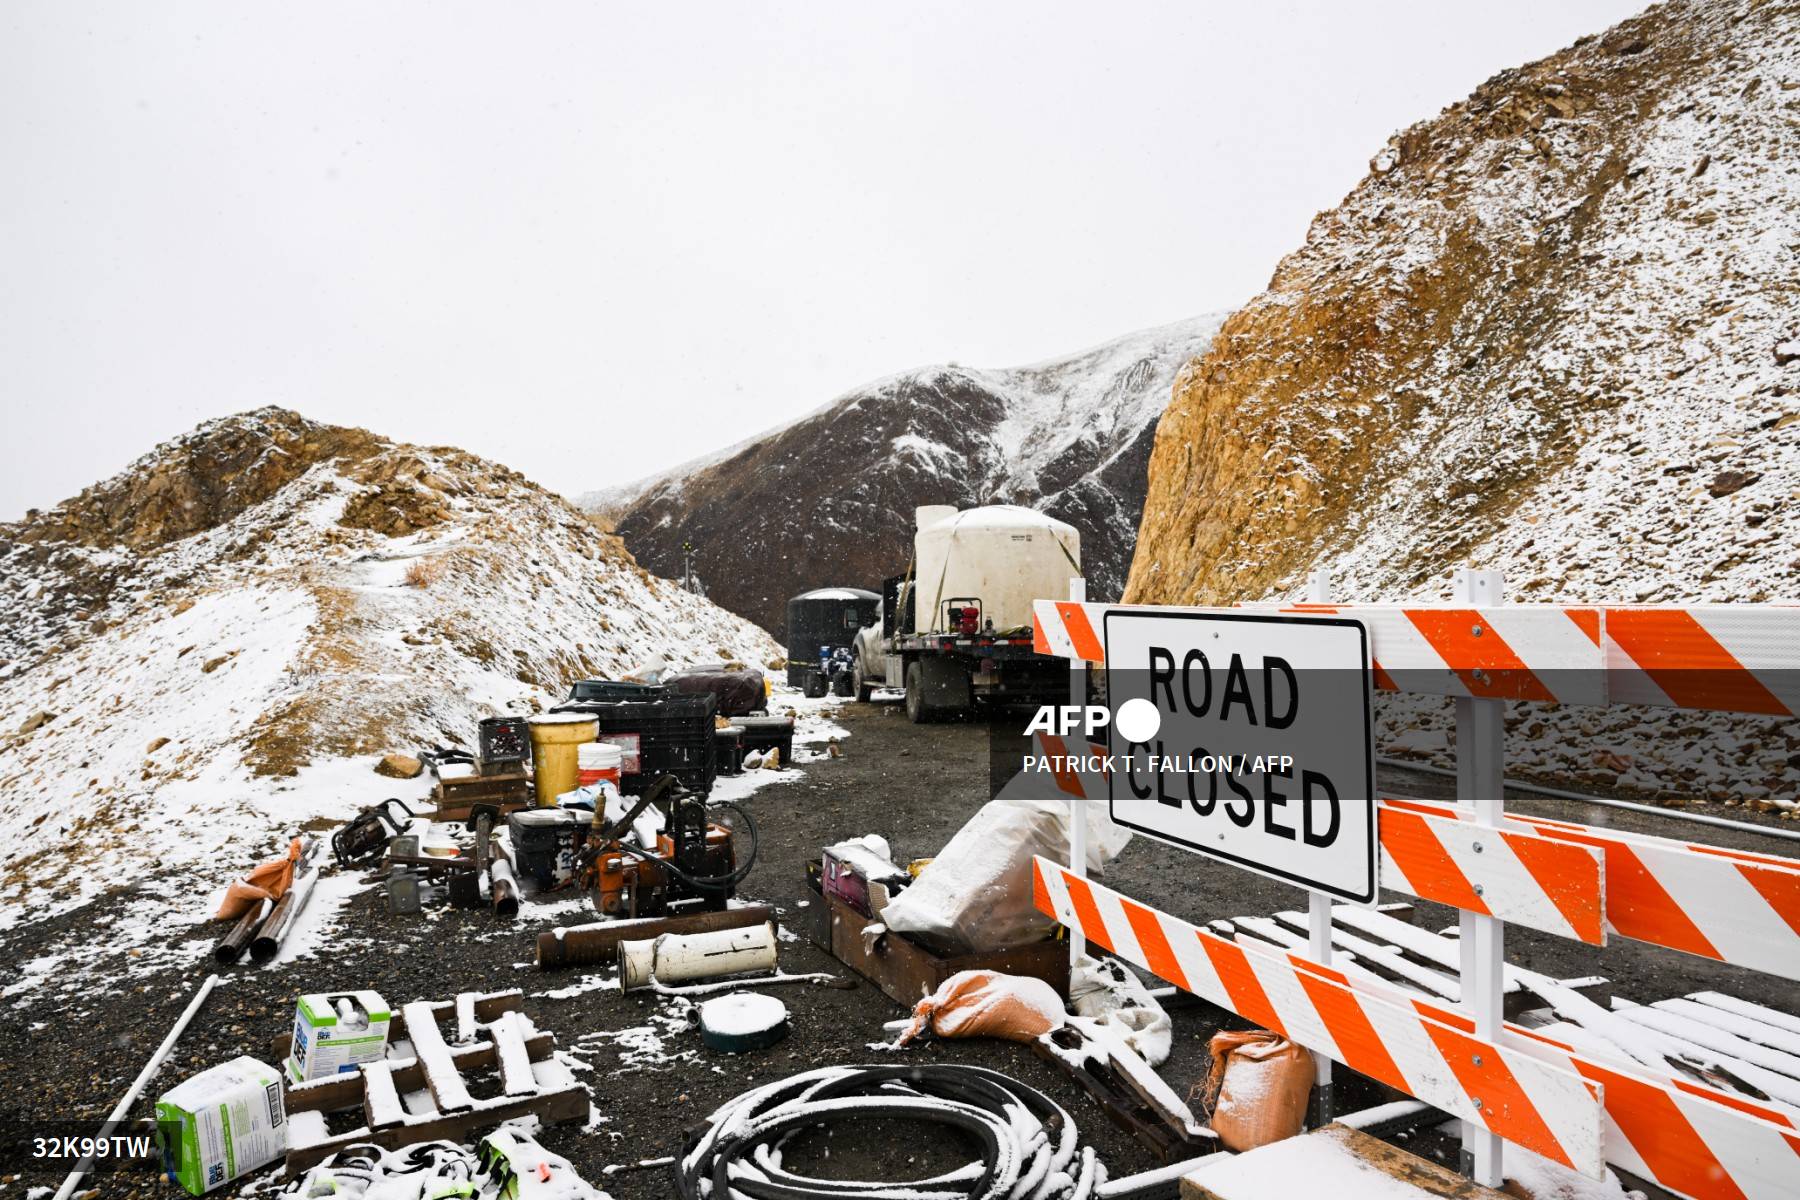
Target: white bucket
595	761
599	756
677	957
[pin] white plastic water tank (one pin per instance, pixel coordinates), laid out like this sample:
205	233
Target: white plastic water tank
1003	555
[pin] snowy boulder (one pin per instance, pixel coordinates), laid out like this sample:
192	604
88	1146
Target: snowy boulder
399	766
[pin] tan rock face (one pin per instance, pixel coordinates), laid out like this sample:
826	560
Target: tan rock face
1530	338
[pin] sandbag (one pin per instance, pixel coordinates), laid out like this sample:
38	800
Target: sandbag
987	1004
975	896
1258	1088
1112	996
268	881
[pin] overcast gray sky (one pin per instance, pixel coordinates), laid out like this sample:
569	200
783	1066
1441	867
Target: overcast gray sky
658	228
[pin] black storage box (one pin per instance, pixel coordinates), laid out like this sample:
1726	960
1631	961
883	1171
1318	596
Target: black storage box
587	690
728	750
766	733
674	736
544	842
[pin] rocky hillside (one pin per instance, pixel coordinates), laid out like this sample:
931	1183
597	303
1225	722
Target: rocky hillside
229	629
829	499
1556	330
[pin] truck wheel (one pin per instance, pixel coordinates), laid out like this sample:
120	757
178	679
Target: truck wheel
865	692
917	711
937	689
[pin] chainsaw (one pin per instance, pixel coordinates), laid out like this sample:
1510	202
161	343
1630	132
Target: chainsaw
365	837
693	860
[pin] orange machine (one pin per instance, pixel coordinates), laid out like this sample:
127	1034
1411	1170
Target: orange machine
693	863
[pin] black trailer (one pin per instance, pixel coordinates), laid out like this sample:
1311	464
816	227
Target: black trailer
825	619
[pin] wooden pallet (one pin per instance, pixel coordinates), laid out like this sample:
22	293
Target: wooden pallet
426	1088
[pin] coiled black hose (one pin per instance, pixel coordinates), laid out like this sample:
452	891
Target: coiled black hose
1028	1143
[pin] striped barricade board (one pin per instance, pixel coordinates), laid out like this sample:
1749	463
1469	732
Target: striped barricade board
1686	1137
1727	905
1546	1108
1517	875
1729	658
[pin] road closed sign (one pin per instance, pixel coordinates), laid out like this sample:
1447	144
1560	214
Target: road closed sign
1247	737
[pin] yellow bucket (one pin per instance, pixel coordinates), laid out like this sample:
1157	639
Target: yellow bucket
555	757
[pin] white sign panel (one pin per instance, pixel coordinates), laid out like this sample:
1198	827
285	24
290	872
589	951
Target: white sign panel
1247	737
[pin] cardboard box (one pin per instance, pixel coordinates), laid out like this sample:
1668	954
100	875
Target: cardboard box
224	1122
326	1044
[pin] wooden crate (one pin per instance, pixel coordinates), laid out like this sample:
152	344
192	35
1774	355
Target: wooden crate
907	971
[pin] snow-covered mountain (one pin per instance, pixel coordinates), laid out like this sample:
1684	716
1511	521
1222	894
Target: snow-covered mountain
829	498
1553	331
203	647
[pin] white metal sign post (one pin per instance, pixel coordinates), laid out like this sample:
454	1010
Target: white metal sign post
1480	782
1318	914
1259	749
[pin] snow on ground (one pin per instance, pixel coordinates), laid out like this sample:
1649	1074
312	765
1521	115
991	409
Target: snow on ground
232	687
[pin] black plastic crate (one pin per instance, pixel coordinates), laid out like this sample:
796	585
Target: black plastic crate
503	740
675	737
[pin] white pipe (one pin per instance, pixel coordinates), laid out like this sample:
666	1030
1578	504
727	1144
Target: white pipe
137	1085
1674	814
674	957
701	989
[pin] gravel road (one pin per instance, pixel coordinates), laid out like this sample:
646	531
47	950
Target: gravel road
71	1055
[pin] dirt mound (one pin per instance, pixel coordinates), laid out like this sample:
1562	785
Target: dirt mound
198	481
350	596
1553	331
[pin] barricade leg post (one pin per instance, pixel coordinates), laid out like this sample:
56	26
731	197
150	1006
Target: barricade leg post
1318	916
1077	814
1480	771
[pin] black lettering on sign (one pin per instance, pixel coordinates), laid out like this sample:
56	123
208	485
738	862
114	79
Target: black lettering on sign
1131	777
1273	800
1162	779
1311	781
1189	662
1241	817
1162	671
1206	806
1271	667
1237	690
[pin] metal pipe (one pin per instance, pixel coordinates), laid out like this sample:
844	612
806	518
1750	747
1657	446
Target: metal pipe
137	1085
503	886
231	947
268	939
1675	814
592	945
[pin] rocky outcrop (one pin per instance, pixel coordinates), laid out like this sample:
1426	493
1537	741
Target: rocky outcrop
1544	334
